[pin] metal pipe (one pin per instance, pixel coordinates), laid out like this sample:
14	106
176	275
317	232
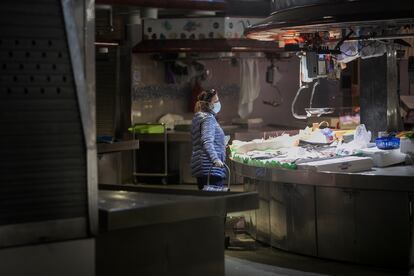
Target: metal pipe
399	36
103	7
300	117
82	55
313	92
110	15
106	44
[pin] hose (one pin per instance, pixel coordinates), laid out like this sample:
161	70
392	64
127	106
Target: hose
313	92
300	117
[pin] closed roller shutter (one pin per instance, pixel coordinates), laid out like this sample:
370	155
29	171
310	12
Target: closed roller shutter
106	91
43	156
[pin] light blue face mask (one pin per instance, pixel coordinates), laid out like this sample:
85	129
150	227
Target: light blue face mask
216	107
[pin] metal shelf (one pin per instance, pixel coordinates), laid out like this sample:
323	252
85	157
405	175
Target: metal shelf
164	140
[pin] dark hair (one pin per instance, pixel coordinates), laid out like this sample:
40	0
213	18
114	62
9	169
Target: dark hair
204	100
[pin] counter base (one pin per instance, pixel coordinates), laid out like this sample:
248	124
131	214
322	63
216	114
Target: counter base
339	221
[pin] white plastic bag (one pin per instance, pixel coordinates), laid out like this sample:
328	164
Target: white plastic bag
226	139
170	119
362	137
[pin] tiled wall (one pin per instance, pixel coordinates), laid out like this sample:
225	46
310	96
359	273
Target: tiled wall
405	88
152	97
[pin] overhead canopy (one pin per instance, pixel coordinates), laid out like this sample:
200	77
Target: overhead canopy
324	15
205	45
218	5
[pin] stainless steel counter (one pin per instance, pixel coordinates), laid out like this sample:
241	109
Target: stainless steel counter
122	209
159	231
356	217
139	206
398	178
172	136
118	146
110	160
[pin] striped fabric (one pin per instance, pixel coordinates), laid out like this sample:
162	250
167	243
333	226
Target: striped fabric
215	188
208	145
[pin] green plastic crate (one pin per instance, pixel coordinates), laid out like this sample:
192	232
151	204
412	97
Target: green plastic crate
148	129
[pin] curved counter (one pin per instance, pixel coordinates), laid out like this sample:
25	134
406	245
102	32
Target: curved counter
358	217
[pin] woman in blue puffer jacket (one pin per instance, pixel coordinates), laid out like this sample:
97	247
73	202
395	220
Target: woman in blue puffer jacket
208	141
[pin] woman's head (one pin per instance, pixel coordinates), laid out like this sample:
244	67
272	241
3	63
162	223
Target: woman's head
208	101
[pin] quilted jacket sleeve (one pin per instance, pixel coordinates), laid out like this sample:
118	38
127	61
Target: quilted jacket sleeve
208	126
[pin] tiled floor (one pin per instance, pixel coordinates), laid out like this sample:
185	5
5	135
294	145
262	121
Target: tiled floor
242	267
256	259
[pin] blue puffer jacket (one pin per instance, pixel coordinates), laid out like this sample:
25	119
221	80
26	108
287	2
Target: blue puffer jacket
208	145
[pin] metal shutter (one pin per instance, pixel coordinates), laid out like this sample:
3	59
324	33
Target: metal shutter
106	90
42	149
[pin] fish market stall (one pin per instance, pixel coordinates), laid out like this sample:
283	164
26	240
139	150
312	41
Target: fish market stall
309	145
325	193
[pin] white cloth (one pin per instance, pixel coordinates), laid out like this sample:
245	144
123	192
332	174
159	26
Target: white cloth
249	86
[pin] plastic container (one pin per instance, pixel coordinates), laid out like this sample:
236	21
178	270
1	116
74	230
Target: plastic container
407	146
384	158
387	143
105	139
